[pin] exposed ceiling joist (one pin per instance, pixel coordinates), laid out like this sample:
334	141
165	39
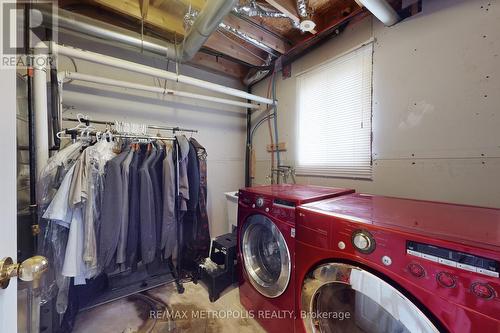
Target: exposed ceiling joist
218	65
219	43
155	17
287	7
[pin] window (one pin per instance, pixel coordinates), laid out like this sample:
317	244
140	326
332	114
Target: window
334	117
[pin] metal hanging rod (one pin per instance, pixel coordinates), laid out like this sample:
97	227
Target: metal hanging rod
128	136
156	127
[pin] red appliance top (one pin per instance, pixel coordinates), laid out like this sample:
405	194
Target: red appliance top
300	194
475	226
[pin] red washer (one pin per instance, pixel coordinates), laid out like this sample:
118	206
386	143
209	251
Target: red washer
266	243
379	264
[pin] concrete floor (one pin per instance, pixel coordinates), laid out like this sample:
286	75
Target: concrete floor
189	312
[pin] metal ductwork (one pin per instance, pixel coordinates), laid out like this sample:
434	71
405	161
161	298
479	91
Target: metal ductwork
253	9
382	10
302	9
306	24
255	75
247	38
191	17
204	25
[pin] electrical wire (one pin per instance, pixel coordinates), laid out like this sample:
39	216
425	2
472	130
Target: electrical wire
259	123
269	126
276	124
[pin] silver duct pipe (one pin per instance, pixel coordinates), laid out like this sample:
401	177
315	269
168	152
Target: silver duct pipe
382	10
302	6
191	17
255	75
206	23
306	24
253	9
203	27
247	38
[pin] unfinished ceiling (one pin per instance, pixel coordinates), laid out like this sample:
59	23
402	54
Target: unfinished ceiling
253	35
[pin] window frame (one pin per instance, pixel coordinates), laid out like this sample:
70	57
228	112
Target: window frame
325	172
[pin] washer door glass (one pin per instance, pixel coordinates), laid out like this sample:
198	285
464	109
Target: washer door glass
343	298
266	256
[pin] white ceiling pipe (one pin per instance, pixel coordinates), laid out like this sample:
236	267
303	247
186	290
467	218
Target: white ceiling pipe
154	72
382	10
164	91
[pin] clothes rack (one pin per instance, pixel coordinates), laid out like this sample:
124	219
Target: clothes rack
142	282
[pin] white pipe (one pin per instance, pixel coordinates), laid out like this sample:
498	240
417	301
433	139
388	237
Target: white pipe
164	91
154	72
382	10
41	113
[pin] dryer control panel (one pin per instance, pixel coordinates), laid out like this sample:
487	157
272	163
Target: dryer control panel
454	258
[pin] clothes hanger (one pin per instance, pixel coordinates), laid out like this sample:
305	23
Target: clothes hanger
80	125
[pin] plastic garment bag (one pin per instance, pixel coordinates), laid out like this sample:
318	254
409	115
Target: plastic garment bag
53	240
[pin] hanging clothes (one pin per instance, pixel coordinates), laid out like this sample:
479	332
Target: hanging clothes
202	228
121	252
107	211
112	211
147	210
183	165
156	173
54	237
195	224
87	188
169	224
133	250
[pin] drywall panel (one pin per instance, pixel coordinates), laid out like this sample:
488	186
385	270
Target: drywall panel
435	105
436	83
221	128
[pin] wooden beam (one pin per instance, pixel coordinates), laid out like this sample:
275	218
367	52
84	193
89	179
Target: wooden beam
218	65
197	4
156	17
287	7
221	44
266	38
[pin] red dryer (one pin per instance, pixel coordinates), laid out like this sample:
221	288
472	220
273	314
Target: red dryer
378	264
266	245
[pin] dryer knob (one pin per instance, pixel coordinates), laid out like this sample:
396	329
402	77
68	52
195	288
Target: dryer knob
363	241
259	202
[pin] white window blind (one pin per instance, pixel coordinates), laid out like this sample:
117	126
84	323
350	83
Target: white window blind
334	117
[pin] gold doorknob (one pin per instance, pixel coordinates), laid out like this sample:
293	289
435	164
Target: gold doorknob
29	270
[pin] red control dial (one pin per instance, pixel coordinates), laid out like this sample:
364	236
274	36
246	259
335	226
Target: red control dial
446	280
482	290
416	270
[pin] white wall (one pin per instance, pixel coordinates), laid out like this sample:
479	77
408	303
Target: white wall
221	128
436	104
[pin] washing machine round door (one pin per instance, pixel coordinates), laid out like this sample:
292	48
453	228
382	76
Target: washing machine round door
338	297
266	256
